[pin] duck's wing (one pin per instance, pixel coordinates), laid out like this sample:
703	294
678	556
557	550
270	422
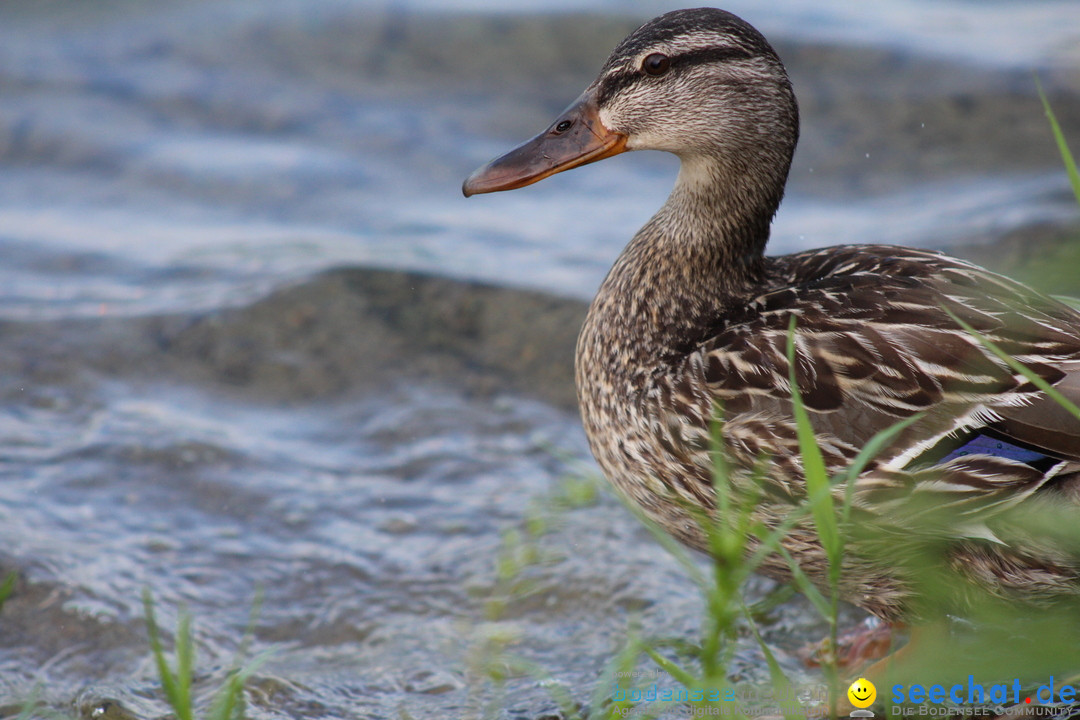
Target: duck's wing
876	342
1045	424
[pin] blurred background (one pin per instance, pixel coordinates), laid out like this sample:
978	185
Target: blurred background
252	336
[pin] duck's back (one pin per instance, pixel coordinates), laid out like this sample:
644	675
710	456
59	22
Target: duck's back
879	329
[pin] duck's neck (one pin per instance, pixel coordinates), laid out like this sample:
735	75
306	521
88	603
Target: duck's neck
696	259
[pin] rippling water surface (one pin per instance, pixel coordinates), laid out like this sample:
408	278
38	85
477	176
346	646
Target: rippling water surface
202	395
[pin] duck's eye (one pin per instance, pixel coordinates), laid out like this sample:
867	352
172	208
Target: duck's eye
656	64
563	126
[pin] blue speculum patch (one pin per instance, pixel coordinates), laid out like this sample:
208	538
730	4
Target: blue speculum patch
987	445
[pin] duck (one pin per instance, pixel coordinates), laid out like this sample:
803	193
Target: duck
687	340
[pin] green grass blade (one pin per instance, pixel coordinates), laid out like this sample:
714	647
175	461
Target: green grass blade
774	599
721	475
1017	367
1072	302
185	656
806	587
780	681
670	544
621	666
869	452
672	669
1063	146
31	706
818	487
770	542
178	699
7	587
229	701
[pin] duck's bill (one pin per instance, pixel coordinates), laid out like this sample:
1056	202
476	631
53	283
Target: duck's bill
561	147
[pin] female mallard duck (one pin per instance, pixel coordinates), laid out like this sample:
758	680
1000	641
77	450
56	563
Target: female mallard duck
693	317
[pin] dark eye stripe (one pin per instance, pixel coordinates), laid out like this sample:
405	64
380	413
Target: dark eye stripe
614	83
710	55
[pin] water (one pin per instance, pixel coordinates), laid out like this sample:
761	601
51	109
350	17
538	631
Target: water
201	397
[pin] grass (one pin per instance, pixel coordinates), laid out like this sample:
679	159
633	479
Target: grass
988	650
1049	263
523	549
700	667
1062	143
7	587
177	678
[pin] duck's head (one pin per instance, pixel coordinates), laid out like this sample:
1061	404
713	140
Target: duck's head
701	83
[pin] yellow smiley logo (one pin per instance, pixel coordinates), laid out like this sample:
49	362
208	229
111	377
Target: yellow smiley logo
862	693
